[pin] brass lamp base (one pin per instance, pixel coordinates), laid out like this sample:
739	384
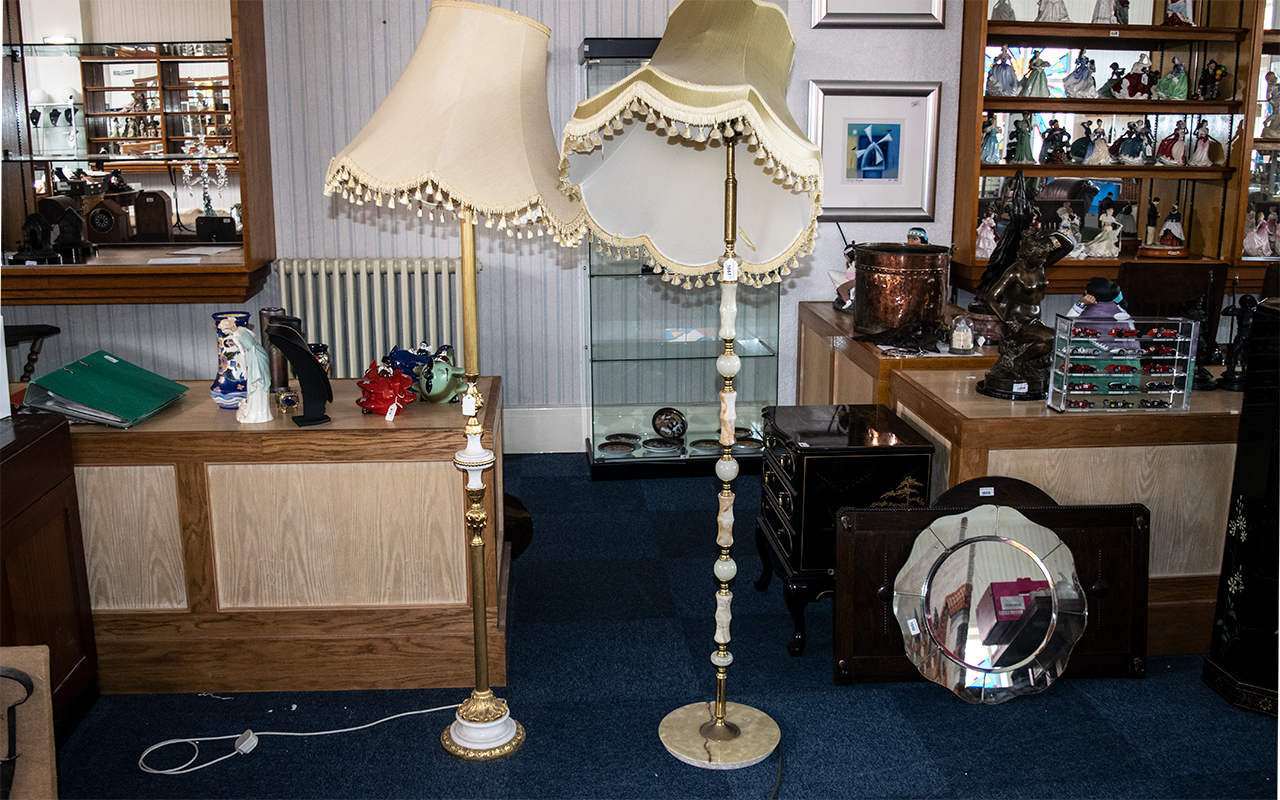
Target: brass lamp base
691	735
484	741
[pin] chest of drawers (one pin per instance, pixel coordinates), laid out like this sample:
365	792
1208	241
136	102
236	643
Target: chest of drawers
818	459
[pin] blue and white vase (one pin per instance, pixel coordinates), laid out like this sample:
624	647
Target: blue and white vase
228	389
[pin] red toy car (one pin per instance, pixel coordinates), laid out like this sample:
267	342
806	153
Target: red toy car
1083	332
1161	333
1118	368
1080	387
1126	333
1081	368
1079	404
1159	350
1159	369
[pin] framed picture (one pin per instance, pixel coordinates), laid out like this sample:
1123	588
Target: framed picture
872	14
879	144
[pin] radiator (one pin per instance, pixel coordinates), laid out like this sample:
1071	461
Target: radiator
362	307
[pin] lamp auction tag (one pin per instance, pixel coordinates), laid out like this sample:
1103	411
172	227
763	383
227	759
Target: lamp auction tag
1020	388
729	270
391	413
913	626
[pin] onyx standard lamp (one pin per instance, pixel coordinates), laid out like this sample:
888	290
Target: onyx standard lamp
653	160
466	133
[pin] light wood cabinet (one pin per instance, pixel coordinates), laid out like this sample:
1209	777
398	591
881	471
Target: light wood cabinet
1212	199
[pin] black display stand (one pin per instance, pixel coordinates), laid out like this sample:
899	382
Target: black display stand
1242	651
314	382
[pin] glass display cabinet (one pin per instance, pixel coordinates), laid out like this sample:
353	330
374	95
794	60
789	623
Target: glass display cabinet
653	345
1139	364
136	172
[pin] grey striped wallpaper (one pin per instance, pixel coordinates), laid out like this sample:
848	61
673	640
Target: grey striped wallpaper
331	62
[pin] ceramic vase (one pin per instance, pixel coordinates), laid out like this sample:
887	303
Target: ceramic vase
228	388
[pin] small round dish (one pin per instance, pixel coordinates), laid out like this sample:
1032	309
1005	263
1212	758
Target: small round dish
669	423
748	444
705	445
664	445
741	433
615	449
623	437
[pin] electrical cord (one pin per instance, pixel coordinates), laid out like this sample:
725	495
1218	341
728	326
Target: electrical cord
245	742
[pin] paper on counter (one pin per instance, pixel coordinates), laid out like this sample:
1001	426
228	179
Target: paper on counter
174	261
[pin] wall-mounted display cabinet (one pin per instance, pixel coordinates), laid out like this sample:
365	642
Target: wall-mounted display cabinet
653	345
152	159
1210	197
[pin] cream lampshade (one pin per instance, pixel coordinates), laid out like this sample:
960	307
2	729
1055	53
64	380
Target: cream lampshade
466	133
653	159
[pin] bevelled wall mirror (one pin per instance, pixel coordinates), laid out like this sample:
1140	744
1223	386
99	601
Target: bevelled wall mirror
989	604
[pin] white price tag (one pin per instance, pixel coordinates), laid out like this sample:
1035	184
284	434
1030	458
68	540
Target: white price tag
913	626
391	412
986	491
1020	388
729	270
468	406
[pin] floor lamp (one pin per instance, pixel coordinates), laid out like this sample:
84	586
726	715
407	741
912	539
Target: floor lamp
466	134
698	139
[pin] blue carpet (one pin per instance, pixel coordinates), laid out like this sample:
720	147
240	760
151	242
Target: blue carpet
610	629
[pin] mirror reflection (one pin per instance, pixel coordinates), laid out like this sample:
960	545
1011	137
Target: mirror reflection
989	604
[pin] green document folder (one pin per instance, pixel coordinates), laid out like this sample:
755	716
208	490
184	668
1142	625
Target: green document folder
103	388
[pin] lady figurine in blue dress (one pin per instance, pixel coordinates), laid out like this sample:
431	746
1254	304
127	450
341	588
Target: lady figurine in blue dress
1079	82
990	152
1002	80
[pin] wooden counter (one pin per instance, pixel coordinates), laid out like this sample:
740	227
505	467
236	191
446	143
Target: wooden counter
228	557
1177	463
834	368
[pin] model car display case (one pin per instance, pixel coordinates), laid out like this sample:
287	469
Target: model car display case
1141	363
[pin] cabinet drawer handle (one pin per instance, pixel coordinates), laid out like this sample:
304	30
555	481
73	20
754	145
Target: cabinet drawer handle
766	475
770	442
788	507
788	465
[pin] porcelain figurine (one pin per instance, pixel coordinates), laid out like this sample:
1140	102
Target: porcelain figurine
1107	243
1203	147
1035	83
1022	145
1172	151
1171	233
986	237
406	361
256	405
1179	13
440	381
1099	151
1128	147
1002	80
1080	146
1079	82
1107	90
1153	219
383	388
1209	87
1002	11
228	388
1107	12
1257	242
1056	140
1052	11
990	150
1136	84
1174	85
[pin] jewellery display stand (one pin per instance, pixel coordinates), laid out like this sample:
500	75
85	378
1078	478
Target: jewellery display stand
316	391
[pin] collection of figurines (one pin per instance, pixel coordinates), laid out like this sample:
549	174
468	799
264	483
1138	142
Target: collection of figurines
1260	233
1136	146
1115	220
1142	81
1105	12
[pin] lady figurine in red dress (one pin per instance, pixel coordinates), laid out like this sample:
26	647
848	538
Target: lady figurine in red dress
1172	151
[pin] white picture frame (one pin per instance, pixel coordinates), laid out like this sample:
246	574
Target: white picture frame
872	14
879	143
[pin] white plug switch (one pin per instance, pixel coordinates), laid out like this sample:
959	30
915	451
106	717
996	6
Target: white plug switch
246	742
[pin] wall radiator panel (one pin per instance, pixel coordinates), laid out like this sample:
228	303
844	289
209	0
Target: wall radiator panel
362	307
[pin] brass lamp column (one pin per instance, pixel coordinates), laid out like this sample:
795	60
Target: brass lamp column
465	133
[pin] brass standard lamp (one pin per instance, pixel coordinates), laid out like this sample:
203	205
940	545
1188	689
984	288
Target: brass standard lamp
465	133
650	157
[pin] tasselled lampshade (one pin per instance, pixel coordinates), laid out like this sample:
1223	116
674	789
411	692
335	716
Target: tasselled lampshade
466	131
642	155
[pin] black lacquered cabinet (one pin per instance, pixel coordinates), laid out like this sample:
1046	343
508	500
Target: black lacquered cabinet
818	459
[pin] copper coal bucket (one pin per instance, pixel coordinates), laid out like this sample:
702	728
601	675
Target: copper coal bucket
899	284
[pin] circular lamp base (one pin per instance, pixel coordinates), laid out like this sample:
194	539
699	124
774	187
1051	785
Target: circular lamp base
483	741
682	733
